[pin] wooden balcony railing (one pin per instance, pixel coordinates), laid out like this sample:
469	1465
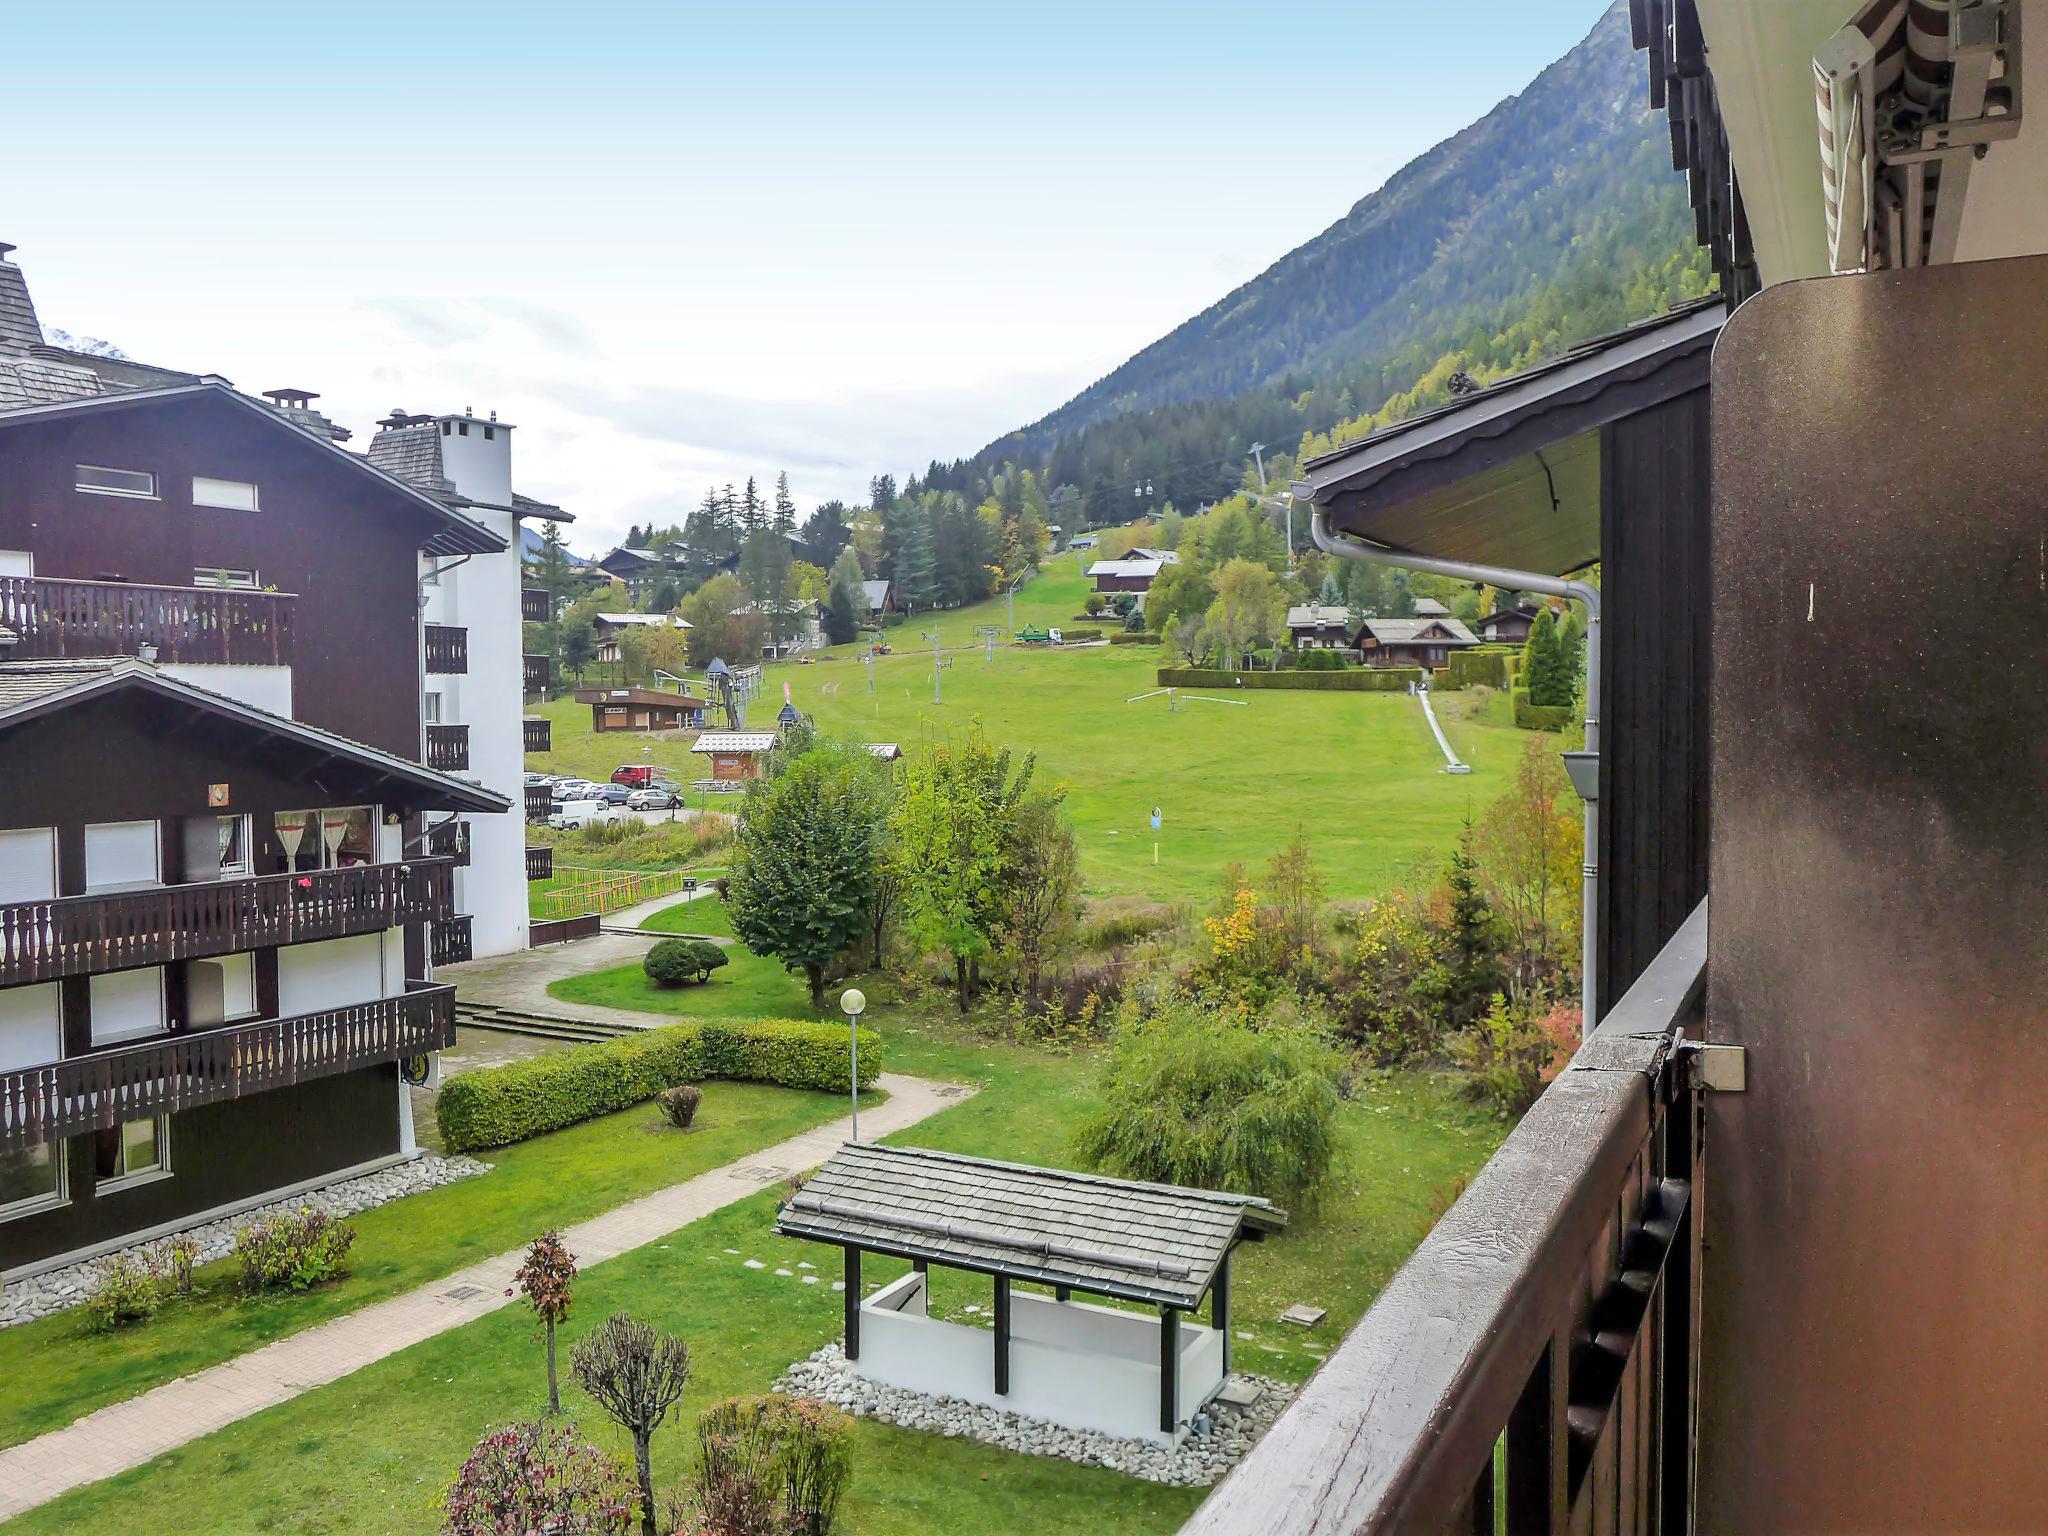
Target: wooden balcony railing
538	673
91	1093
540	862
448	748
534	605
85	935
449	940
51	618
1533	1366
447	648
540	733
449	840
538	802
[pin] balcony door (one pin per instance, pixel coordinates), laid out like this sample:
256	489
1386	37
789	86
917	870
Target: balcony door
122	856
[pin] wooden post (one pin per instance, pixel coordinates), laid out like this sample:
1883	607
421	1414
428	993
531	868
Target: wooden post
1219	1307
852	1303
1169	1369
1002	1335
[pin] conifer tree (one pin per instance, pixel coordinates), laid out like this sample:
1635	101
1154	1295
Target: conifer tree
785	505
1546	670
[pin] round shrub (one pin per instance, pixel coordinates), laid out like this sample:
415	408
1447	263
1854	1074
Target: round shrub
679	1104
537	1477
670	963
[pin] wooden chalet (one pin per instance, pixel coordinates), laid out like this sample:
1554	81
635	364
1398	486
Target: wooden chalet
1508	626
1423	641
642	709
736	756
1319	626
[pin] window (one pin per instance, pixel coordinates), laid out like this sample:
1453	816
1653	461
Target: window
102	481
28	864
221	990
127	1005
137	1150
235	495
224	576
31	1179
462	428
232	833
121	855
336	838
431	709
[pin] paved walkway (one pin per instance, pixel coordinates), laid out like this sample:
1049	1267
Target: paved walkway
127	1434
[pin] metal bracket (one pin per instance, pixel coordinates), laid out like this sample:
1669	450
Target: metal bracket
1716	1068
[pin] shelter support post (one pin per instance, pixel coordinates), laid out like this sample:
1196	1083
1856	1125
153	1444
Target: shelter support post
1063	1293
1219	1308
1169	1369
853	1303
1002	1335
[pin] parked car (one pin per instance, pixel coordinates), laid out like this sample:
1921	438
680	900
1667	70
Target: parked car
573	815
656	797
637	775
613	794
576	789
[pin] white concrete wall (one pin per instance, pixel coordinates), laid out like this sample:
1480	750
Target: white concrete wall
482	595
265	687
331	974
1071	1362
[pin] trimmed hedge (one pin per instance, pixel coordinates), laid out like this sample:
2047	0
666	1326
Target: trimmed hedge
495	1106
1350	680
1467	669
1540	717
1134	637
1074	636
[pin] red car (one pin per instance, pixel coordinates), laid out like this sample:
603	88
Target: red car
634	775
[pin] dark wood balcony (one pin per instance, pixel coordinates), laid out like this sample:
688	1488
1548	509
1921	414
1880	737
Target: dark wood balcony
1540	1349
539	673
178	1072
538	802
449	840
448	748
540	862
52	618
447	649
535	607
85	935
540	733
450	940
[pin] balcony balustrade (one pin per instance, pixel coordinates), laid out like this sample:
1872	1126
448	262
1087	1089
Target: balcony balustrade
1540	1350
178	1072
85	935
447	649
448	748
450	940
52	618
540	733
540	862
538	673
538	802
534	605
449	840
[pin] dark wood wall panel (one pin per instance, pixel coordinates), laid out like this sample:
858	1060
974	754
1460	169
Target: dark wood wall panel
1654	513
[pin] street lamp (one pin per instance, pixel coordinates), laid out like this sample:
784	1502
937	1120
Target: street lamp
853	1000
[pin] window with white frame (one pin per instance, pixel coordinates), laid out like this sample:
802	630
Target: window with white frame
221	990
431	709
232	577
234	495
31	1180
104	481
335	838
138	1149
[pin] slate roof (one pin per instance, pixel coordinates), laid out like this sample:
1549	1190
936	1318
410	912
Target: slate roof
19	328
877	593
1126	568
411	454
1155	1243
1319	616
38	381
1430	608
32	688
735	741
1409	631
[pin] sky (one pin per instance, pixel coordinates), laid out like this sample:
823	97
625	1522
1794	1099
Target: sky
678	244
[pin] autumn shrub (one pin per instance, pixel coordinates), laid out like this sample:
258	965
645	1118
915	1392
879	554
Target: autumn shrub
1125	920
679	1104
537	1477
174	1258
1515	1049
125	1289
1190	1097
293	1251
772	1464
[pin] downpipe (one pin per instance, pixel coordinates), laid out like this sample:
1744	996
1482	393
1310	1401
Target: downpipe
1347	548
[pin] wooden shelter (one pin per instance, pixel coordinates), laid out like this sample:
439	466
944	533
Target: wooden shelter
1071	1363
642	709
735	755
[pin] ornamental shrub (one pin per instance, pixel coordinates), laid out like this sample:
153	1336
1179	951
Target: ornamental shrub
125	1290
496	1106
1515	1049
294	1251
675	961
679	1104
1191	1098
536	1477
1094	603
772	1463
1320	659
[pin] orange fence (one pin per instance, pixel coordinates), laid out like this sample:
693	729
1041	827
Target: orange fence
573	890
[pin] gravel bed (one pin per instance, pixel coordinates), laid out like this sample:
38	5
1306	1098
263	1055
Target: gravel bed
1221	1433
52	1291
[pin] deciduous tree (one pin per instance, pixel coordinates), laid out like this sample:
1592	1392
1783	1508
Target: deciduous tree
1041	884
548	1281
635	1373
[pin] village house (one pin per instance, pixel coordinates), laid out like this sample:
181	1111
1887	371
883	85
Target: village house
1134	572
642	709
879	597
1508	626
611	626
1424	641
171	596
639	571
1319	626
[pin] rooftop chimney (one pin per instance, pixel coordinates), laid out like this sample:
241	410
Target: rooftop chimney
296	407
19	329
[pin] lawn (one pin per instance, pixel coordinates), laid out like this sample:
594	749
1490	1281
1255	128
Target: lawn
1359	771
58	1371
748	987
370	1453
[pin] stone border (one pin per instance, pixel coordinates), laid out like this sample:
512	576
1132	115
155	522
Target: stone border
1219	1438
54	1290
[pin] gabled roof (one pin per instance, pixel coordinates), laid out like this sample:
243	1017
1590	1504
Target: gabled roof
735	741
455	535
1521	611
1421	631
1156	1243
1319	616
1131	568
877	594
1430	608
654	620
30	690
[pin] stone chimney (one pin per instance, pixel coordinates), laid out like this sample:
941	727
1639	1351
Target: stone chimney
296	407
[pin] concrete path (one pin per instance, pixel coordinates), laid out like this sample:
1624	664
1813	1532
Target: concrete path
127	1434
